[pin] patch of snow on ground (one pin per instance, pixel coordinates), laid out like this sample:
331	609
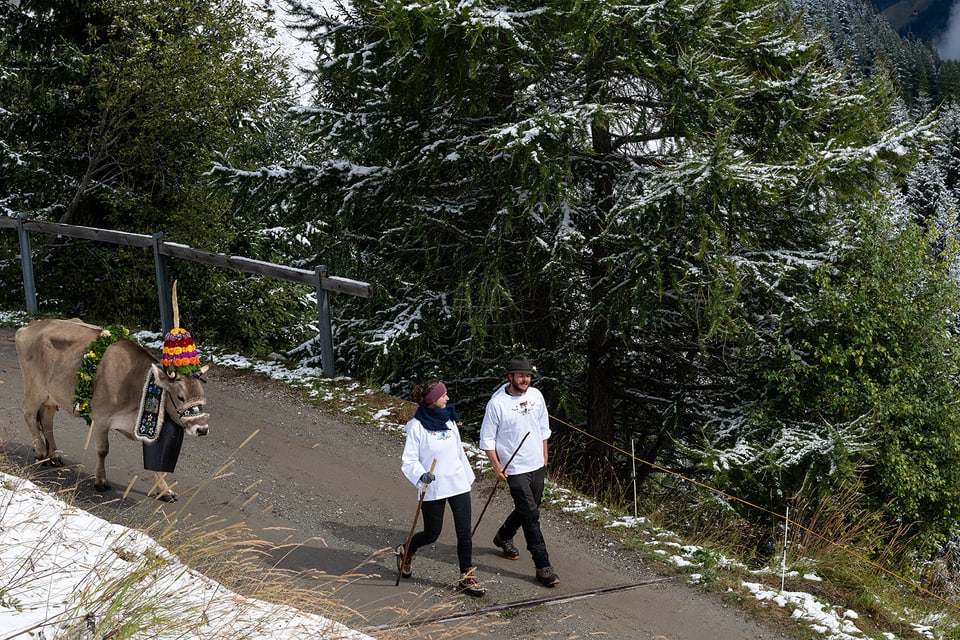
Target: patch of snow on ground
822	618
68	573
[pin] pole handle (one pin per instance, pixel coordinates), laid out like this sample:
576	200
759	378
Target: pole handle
423	489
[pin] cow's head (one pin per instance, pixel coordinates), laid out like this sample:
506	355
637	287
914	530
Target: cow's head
185	399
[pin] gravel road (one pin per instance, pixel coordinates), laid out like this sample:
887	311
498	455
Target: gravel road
329	494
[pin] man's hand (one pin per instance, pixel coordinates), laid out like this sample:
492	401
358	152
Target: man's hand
498	471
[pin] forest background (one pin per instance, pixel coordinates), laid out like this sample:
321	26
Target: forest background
724	230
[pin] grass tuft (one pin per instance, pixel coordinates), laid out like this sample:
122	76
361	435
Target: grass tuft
134	589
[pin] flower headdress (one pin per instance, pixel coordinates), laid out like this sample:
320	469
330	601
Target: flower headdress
180	355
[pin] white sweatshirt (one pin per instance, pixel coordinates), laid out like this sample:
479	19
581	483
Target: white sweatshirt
507	419
453	471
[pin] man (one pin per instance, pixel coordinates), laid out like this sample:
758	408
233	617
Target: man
515	410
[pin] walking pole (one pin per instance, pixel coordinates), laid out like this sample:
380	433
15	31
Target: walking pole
416	516
495	484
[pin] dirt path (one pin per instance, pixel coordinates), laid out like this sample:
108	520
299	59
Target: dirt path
332	491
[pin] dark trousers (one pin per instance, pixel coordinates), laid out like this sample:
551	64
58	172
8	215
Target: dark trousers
432	511
527	491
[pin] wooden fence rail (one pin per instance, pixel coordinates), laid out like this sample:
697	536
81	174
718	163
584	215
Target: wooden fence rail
318	278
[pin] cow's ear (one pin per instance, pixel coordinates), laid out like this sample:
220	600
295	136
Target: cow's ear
159	373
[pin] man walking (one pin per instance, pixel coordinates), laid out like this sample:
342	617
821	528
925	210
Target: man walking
513	411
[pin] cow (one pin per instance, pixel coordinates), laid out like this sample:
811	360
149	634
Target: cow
50	354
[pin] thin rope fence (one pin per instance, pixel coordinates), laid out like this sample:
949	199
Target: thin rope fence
788	521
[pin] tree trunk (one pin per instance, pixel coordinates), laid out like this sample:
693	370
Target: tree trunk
600	397
600	358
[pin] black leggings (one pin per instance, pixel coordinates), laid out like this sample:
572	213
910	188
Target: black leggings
432	511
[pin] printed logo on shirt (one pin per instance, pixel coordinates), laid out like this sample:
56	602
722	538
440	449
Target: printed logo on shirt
524	408
442	435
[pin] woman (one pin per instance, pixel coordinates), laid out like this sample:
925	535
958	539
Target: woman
432	434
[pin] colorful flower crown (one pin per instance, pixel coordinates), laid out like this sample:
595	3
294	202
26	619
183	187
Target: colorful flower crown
180	353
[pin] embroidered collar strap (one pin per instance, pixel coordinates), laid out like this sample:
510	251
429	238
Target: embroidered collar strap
151	415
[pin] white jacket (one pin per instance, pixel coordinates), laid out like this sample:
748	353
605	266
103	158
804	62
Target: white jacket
453	471
505	422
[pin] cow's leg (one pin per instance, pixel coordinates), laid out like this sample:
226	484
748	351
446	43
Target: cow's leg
102	445
40	421
46	413
164	491
31	415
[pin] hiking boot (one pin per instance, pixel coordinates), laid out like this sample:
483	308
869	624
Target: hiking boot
547	577
509	551
468	583
404	565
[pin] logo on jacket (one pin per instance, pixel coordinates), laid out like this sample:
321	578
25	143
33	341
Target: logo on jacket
524	408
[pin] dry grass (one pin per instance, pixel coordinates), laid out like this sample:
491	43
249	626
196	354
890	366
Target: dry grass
225	552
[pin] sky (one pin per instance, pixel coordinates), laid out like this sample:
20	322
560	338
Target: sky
948	44
286	41
54	557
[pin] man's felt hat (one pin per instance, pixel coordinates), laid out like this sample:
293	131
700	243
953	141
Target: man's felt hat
520	364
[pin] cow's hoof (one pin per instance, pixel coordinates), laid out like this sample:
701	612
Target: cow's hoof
167	497
102	487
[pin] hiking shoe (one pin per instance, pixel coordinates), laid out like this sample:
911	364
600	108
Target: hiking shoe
468	583
547	577
509	551
404	565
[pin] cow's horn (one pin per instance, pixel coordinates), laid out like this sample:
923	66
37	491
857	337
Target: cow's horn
176	307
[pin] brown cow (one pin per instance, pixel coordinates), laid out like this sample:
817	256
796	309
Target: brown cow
50	354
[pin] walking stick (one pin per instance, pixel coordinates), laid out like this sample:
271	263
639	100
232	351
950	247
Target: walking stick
416	516
496	484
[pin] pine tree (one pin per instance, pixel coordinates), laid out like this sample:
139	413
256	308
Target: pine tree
861	387
114	112
637	196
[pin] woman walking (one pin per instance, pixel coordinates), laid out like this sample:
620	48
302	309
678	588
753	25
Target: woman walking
431	434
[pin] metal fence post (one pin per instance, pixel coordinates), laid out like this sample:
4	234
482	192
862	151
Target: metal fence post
163	287
326	332
26	261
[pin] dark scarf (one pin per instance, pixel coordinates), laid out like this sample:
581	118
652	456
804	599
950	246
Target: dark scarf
434	418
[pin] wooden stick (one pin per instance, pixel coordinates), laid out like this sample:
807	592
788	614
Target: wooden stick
496	484
416	516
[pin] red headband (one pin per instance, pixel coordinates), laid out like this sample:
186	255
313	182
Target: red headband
435	394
